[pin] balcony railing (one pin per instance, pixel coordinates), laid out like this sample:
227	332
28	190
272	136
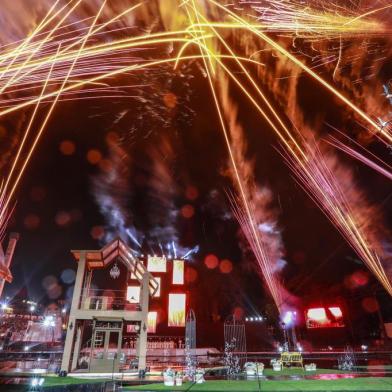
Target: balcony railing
99	300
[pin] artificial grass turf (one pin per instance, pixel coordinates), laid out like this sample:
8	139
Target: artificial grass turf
365	384
58	381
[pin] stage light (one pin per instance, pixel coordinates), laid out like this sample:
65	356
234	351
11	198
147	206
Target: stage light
32	308
246	319
251	319
4	306
364	347
26	348
280	349
64	310
289	318
49	321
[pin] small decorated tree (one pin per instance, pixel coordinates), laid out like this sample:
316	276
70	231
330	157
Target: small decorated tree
231	361
190	363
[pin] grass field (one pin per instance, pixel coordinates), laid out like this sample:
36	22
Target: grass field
57	381
369	384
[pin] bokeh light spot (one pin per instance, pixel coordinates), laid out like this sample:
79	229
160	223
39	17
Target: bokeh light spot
94	156
370	304
63	218
191	193
67	147
190	275
226	266
68	276
187	211
211	261
31	221
97	232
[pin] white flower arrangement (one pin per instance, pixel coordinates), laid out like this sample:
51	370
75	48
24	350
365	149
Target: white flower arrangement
276	364
253	368
311	367
168	377
199	376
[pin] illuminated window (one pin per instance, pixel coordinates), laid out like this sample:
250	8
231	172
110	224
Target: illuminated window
317	314
152	322
158	292
177	310
133	294
156	264
336	311
178	272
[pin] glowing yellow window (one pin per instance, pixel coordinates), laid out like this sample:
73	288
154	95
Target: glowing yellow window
177	310
133	294
178	271
152	322
156	264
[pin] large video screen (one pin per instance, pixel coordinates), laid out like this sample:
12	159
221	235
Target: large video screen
326	317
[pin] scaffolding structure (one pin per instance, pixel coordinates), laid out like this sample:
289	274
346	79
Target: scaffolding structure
234	335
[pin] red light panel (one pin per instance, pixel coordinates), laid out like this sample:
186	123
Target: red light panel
326	317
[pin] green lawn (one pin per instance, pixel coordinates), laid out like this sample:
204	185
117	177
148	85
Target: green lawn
370	384
55	381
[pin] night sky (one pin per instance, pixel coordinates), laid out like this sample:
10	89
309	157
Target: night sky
169	120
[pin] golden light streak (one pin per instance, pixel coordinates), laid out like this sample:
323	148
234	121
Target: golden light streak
309	71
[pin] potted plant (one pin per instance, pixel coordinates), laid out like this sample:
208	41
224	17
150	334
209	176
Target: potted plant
199	376
179	378
276	364
311	367
259	368
168	377
250	369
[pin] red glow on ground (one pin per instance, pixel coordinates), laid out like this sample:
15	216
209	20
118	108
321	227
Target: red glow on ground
226	266
187	211
211	261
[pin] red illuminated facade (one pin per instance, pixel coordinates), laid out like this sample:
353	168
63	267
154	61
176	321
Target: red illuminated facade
324	317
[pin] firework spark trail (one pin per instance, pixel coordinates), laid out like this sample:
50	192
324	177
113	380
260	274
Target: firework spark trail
385	171
318	174
383	134
66	49
259	201
60	58
209	59
355	235
9	194
315	21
